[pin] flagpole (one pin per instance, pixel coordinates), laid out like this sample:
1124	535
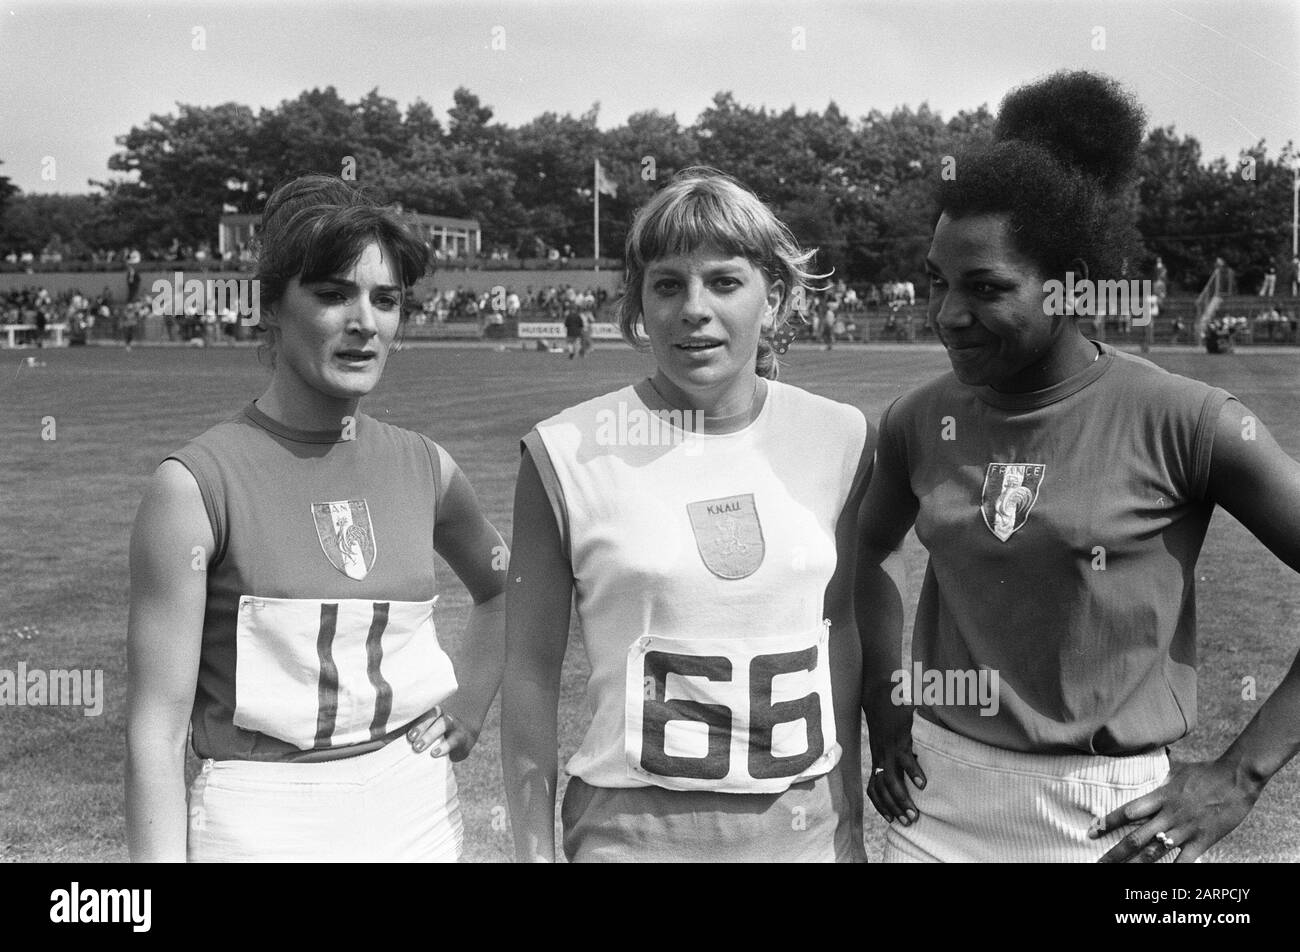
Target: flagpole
595	216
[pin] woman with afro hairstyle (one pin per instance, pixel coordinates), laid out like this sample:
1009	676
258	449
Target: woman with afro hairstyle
1063	490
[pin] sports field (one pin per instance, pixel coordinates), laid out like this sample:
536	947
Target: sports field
68	503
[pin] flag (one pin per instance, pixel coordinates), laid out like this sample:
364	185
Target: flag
603	182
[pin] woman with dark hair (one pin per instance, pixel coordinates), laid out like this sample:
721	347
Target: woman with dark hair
700	523
1063	490
282	583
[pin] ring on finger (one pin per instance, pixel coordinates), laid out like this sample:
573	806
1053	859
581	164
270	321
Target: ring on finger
1165	840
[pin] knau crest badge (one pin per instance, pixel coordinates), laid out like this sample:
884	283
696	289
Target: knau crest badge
728	535
1010	491
346	535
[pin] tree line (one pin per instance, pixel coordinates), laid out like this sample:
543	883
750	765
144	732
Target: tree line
859	189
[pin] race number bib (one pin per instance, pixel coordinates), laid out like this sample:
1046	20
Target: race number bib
732	715
321	673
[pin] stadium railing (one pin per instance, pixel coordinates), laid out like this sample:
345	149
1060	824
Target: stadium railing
477	263
1174	325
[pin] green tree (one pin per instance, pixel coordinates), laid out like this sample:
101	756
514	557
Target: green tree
552	159
896	161
461	173
860	191
186	169
7	190
317	132
639	157
1172	184
82	224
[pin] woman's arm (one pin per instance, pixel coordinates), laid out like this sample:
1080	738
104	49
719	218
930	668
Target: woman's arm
477	554
1258	483
170	547
538	599
845	645
880	585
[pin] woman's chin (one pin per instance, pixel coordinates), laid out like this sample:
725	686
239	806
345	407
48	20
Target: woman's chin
971	376
691	373
348	388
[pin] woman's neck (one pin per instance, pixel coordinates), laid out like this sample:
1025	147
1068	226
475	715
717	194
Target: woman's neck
303	408
723	410
1073	354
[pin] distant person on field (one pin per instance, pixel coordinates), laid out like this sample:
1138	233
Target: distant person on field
588	319
133	322
574	326
826	312
1270	282
1223	280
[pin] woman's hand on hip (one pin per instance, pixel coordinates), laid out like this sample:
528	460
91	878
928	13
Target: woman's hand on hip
1198	805
442	734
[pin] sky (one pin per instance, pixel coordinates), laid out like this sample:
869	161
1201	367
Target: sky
75	75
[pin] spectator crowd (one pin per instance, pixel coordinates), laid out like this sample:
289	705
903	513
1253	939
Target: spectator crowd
38	309
491	308
839	312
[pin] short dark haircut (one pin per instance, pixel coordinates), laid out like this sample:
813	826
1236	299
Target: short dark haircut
316	226
1060	166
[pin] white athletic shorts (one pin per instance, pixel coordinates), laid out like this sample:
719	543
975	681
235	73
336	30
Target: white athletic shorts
808	823
390	805
982	804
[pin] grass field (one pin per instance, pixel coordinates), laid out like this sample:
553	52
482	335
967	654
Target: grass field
68	504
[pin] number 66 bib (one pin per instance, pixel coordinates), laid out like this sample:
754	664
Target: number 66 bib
732	715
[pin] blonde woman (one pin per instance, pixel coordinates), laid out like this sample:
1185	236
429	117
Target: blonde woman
700	522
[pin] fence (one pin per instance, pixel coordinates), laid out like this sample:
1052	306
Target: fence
909	324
